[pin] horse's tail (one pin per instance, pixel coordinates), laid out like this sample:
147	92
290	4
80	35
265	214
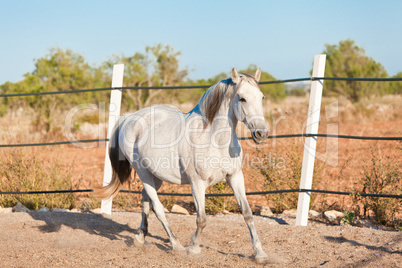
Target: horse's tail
121	167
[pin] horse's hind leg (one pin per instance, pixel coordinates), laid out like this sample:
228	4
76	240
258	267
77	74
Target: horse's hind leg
144	223
150	189
140	237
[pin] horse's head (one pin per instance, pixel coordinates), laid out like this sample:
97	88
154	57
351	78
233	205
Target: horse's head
247	103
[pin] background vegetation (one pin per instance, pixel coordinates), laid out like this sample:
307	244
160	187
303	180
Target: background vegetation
159	65
27	171
346	59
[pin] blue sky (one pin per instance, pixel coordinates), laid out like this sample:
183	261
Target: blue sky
281	37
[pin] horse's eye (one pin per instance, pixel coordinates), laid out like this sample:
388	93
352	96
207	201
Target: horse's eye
263	97
242	99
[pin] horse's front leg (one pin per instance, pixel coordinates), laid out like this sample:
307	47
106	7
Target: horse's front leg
198	190
236	182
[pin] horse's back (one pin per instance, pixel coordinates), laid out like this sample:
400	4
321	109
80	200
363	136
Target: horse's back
151	141
153	123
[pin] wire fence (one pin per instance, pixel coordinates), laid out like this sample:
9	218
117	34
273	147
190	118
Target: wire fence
202	86
242	138
213	195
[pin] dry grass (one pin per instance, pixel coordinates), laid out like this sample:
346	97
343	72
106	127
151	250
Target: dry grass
219	204
26	170
381	175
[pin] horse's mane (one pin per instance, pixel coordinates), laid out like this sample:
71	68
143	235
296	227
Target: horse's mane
212	100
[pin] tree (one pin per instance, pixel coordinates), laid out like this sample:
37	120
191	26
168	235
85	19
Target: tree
274	91
395	87
349	60
136	74
158	66
193	95
59	70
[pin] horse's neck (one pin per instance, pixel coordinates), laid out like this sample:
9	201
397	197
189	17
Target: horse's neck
225	116
226	119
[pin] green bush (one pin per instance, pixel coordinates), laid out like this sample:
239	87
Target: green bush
298	92
349	218
346	59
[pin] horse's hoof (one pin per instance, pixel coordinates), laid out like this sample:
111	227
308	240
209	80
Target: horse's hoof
179	247
194	250
272	258
140	238
261	257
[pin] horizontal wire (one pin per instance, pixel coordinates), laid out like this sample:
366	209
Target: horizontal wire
326	136
49	192
240	138
217	195
51	143
201	86
357	79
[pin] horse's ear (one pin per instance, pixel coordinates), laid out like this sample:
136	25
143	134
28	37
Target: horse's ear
235	76
257	75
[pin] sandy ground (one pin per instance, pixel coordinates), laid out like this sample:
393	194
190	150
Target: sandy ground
53	239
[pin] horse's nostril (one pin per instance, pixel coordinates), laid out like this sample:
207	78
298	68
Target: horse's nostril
260	134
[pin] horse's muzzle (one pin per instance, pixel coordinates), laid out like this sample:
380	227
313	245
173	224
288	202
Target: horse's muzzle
260	135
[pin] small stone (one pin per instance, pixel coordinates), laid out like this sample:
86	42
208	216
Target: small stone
365	223
180	210
290	212
60	210
6	210
44	209
312	214
96	211
333	215
266	211
20	208
75	210
225	212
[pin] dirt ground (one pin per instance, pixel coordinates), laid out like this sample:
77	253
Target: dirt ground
52	239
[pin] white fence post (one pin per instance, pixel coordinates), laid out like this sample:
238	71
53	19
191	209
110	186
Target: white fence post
114	114
313	119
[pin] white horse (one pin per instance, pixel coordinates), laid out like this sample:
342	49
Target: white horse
199	148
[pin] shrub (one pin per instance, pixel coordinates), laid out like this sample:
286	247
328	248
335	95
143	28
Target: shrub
381	175
23	170
287	177
349	218
298	92
218	204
